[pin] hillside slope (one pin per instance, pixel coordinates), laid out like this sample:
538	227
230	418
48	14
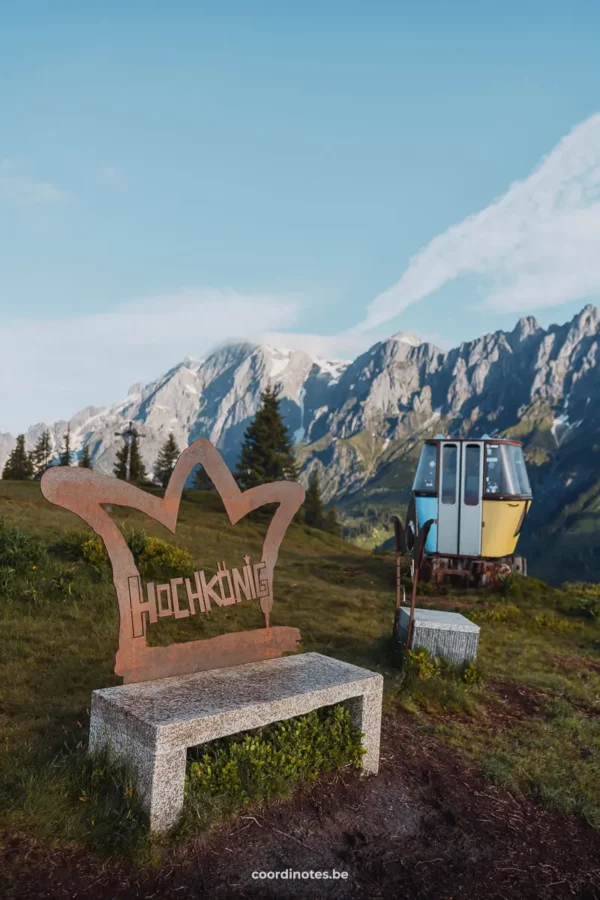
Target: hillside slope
525	739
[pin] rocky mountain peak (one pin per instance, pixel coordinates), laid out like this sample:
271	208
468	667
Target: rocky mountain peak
587	321
525	327
406	337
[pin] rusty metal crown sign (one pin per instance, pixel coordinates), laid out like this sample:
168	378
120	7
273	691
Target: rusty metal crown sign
83	491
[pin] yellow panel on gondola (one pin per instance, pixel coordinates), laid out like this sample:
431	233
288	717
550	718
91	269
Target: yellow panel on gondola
501	519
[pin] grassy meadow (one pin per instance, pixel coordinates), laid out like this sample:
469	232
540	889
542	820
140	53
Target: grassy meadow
527	716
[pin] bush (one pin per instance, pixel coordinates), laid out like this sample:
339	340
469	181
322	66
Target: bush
581	599
588	607
269	762
420	664
471	674
507	584
550	622
582	587
137	541
152	556
498	613
166	559
70	544
18	549
94	553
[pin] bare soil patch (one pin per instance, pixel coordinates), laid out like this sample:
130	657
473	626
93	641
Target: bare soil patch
427	827
576	662
519	701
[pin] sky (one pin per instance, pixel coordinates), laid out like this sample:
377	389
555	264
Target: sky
317	175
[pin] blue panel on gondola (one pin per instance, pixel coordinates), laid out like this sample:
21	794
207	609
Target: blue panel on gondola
427	508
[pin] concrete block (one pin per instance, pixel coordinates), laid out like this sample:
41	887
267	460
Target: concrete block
445	634
150	725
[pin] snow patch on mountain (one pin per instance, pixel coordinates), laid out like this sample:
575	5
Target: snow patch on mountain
333	367
280	360
407	337
559	428
300	432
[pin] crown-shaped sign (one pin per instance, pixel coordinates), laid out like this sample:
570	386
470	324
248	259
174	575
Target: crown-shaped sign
83	492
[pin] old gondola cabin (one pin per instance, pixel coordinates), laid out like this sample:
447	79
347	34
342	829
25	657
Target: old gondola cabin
478	494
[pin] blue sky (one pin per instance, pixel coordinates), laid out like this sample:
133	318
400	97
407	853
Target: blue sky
172	175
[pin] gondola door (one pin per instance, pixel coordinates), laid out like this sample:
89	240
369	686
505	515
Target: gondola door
470	505
448	505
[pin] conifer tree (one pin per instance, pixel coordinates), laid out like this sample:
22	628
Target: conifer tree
332	523
41	455
314	511
66	453
19	466
267	451
137	469
201	480
120	466
85	461
166	460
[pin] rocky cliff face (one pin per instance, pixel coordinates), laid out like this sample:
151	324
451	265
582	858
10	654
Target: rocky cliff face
361	423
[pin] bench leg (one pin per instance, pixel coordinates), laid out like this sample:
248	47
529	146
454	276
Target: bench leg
160	776
365	711
160	784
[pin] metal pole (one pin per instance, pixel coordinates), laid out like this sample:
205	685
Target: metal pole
400	546
418	553
128	435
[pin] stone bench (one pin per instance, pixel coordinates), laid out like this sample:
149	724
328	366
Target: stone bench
150	725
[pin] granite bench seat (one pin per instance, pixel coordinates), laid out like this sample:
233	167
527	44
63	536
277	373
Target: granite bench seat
150	725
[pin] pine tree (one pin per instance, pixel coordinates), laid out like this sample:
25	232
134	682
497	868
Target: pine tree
66	453
41	455
137	469
332	523
19	466
314	511
267	452
201	480
166	460
85	461
120	466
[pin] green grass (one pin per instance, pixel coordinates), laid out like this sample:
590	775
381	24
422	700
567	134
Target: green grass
232	773
556	758
58	637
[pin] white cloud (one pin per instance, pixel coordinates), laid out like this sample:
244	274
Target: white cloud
113	177
50	368
537	246
345	345
334	346
17	187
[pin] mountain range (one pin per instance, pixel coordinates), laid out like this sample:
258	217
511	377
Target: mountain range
361	422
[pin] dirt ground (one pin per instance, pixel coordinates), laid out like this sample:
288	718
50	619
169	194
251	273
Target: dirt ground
426	827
